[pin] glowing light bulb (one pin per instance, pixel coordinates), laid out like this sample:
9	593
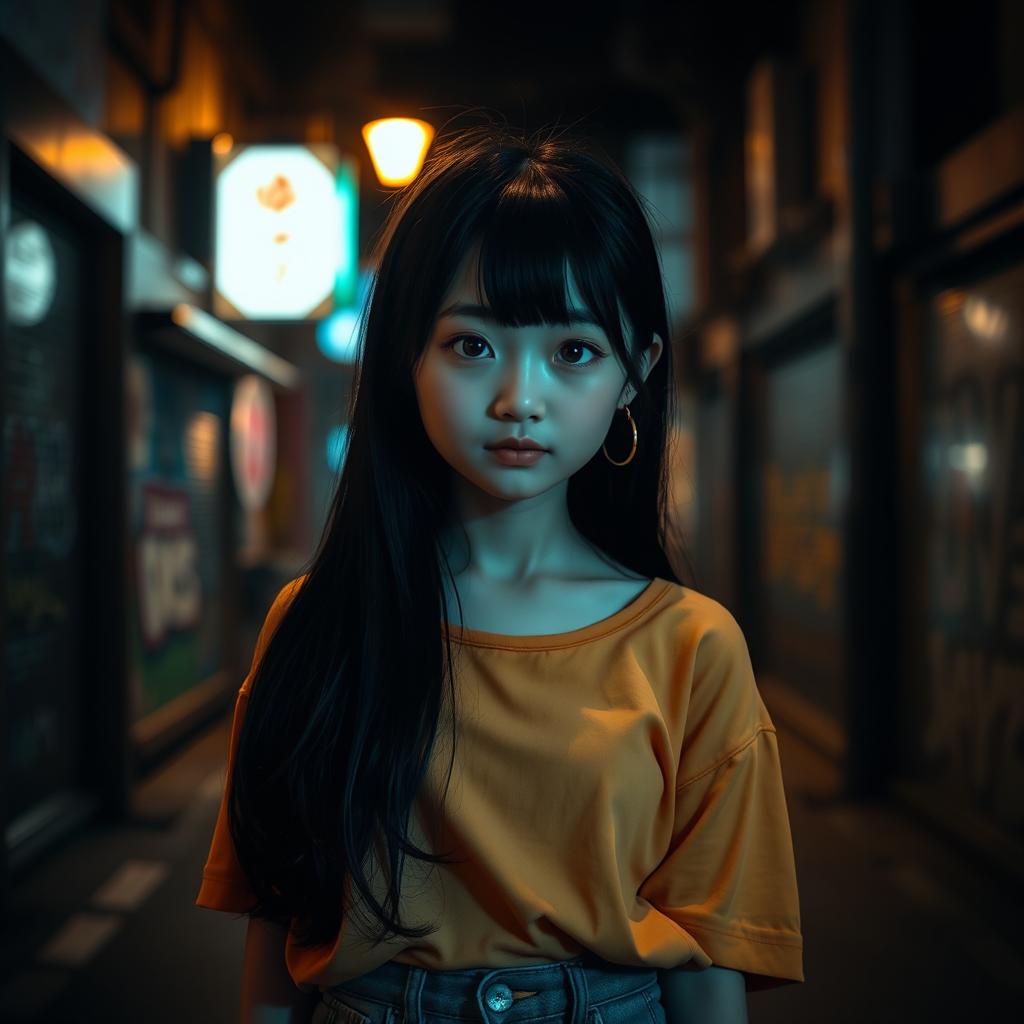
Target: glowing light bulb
398	146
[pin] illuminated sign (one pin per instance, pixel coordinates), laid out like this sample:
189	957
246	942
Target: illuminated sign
253	441
30	273
337	336
286	232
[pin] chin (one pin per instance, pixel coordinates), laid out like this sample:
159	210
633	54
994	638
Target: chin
511	489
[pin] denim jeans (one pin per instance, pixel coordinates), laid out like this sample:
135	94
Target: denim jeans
584	990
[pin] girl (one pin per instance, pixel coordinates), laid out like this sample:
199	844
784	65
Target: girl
616	844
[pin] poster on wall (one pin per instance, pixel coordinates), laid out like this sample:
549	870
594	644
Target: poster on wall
178	419
253	441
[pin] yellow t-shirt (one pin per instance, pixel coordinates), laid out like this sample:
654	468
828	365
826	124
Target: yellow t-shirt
616	788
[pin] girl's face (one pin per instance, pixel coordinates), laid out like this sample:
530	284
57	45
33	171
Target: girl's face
478	383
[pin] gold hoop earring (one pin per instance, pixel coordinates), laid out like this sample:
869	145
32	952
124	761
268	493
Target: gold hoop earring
629	458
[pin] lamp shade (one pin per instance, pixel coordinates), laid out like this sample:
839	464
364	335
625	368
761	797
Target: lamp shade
398	146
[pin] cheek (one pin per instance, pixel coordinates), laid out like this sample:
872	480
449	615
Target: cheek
589	416
443	406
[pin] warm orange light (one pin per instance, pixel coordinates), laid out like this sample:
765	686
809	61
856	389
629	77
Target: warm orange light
222	143
398	146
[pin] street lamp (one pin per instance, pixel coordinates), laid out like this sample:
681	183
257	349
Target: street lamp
397	147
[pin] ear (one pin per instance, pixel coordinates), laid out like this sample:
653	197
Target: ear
647	362
652	354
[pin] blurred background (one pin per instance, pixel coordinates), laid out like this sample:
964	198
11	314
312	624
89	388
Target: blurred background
188	193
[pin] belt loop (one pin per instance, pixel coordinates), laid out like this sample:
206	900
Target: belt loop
414	981
580	992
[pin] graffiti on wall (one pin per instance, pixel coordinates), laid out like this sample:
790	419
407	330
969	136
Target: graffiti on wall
803	547
169	590
802	489
176	436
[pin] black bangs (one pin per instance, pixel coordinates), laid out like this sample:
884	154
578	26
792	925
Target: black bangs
527	245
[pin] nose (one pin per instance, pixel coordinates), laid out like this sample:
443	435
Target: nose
520	394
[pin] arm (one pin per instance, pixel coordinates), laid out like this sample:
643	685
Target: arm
269	996
714	995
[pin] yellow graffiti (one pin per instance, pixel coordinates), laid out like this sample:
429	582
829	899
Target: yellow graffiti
801	548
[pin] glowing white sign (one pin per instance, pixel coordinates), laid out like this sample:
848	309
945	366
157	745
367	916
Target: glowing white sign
30	273
278	232
253	440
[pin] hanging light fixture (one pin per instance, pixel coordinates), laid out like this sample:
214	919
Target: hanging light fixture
398	146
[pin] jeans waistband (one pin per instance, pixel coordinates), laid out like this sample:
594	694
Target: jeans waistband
558	990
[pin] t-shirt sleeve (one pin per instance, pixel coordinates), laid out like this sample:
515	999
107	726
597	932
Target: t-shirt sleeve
224	885
729	877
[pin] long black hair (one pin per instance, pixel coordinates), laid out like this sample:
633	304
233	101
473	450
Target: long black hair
345	703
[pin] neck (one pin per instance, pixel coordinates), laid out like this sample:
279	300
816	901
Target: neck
511	541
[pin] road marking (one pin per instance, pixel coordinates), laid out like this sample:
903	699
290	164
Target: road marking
79	939
129	886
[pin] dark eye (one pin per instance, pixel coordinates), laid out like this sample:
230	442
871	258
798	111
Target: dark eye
584	346
471	338
472	350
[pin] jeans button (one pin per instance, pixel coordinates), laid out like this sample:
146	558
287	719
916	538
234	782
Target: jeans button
499	997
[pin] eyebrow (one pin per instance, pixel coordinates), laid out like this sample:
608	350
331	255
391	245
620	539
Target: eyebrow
576	316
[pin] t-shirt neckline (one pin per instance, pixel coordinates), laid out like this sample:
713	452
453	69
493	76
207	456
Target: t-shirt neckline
572	638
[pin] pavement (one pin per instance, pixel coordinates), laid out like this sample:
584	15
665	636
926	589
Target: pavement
899	924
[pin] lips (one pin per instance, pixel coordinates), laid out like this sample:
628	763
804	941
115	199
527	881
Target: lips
518	444
517	456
